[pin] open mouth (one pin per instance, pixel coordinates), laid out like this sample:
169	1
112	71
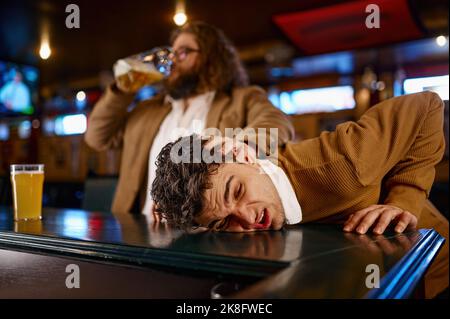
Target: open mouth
264	220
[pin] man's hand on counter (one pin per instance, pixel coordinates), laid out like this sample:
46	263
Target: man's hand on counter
380	217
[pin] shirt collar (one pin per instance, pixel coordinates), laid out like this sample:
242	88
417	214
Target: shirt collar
291	206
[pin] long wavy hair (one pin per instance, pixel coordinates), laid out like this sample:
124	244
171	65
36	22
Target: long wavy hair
220	67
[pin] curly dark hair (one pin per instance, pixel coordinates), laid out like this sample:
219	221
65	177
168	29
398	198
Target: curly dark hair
178	188
220	67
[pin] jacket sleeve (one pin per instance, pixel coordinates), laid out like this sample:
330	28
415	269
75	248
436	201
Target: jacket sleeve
107	121
407	197
261	114
397	144
410	181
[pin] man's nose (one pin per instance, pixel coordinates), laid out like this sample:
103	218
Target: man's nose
244	216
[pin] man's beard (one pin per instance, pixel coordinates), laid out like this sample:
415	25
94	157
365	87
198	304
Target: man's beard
184	86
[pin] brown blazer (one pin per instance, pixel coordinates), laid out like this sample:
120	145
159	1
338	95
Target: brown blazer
388	156
110	125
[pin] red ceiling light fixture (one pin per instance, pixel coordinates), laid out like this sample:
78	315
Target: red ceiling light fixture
342	27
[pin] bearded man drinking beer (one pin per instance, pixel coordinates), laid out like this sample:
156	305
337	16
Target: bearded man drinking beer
207	88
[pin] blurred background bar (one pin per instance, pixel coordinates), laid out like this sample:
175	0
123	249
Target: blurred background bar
317	61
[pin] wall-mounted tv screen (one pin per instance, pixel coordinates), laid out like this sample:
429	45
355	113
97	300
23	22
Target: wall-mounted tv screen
18	88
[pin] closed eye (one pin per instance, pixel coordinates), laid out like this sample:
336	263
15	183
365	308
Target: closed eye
213	224
238	191
223	224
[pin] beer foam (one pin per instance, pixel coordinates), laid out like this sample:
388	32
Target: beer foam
27	172
123	66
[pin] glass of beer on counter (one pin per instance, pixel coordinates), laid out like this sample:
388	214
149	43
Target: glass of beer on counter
146	68
27	185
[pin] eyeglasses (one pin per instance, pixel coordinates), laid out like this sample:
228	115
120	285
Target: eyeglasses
182	53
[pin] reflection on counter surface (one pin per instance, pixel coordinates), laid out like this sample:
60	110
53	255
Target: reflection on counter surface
302	261
290	244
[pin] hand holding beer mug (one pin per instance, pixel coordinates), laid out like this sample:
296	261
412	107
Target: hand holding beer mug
27	183
146	68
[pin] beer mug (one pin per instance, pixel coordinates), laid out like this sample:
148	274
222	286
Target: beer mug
27	184
146	68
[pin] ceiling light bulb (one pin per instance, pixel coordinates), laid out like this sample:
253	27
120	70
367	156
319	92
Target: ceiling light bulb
44	51
180	18
441	40
81	96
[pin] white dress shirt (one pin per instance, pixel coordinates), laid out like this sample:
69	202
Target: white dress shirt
179	122
291	206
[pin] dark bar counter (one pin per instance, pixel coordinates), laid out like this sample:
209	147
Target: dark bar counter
127	257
